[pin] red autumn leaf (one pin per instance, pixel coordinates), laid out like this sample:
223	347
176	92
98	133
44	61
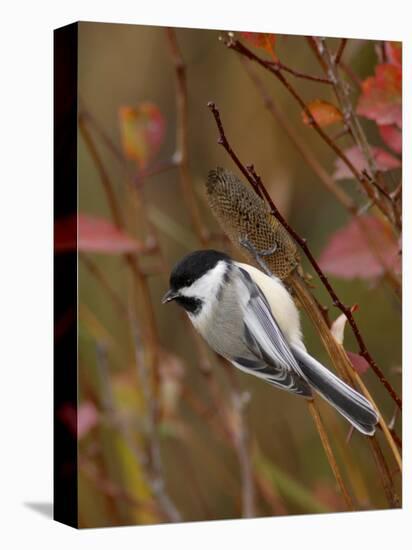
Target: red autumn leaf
142	130
394	52
323	112
384	162
261	40
359	363
100	235
392	136
381	98
350	253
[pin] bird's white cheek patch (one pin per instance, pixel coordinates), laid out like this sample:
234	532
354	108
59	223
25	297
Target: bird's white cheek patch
206	288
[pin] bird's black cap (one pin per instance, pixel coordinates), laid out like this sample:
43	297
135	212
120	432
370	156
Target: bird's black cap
193	266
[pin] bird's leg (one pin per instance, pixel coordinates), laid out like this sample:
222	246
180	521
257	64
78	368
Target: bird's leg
258	255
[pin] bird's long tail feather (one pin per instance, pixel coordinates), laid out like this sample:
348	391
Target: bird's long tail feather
353	406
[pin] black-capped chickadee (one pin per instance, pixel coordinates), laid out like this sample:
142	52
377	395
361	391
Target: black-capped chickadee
250	319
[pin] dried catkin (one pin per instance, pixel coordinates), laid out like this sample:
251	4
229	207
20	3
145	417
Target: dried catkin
242	214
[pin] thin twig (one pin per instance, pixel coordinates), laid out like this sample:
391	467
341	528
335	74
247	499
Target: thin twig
385	476
340	134
181	155
151	403
209	414
236	433
382	51
353	123
104	177
87	117
387	433
339	53
329	453
280	66
351	464
341	91
137	181
101	278
111	489
350	73
159	168
381	190
313	46
241	437
138	178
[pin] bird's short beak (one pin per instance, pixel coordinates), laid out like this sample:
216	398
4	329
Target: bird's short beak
169	296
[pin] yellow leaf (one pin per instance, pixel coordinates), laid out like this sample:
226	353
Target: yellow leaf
142	131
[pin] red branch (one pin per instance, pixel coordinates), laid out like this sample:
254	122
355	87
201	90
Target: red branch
281	67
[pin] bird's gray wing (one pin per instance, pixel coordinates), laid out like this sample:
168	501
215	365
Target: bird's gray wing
272	359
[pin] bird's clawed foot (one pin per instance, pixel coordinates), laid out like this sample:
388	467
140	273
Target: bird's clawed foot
258	255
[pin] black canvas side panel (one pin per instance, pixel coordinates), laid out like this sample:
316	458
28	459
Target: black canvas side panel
65	275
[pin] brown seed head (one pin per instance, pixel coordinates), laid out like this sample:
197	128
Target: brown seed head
242	214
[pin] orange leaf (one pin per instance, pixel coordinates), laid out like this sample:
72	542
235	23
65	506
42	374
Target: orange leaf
323	112
142	129
262	40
